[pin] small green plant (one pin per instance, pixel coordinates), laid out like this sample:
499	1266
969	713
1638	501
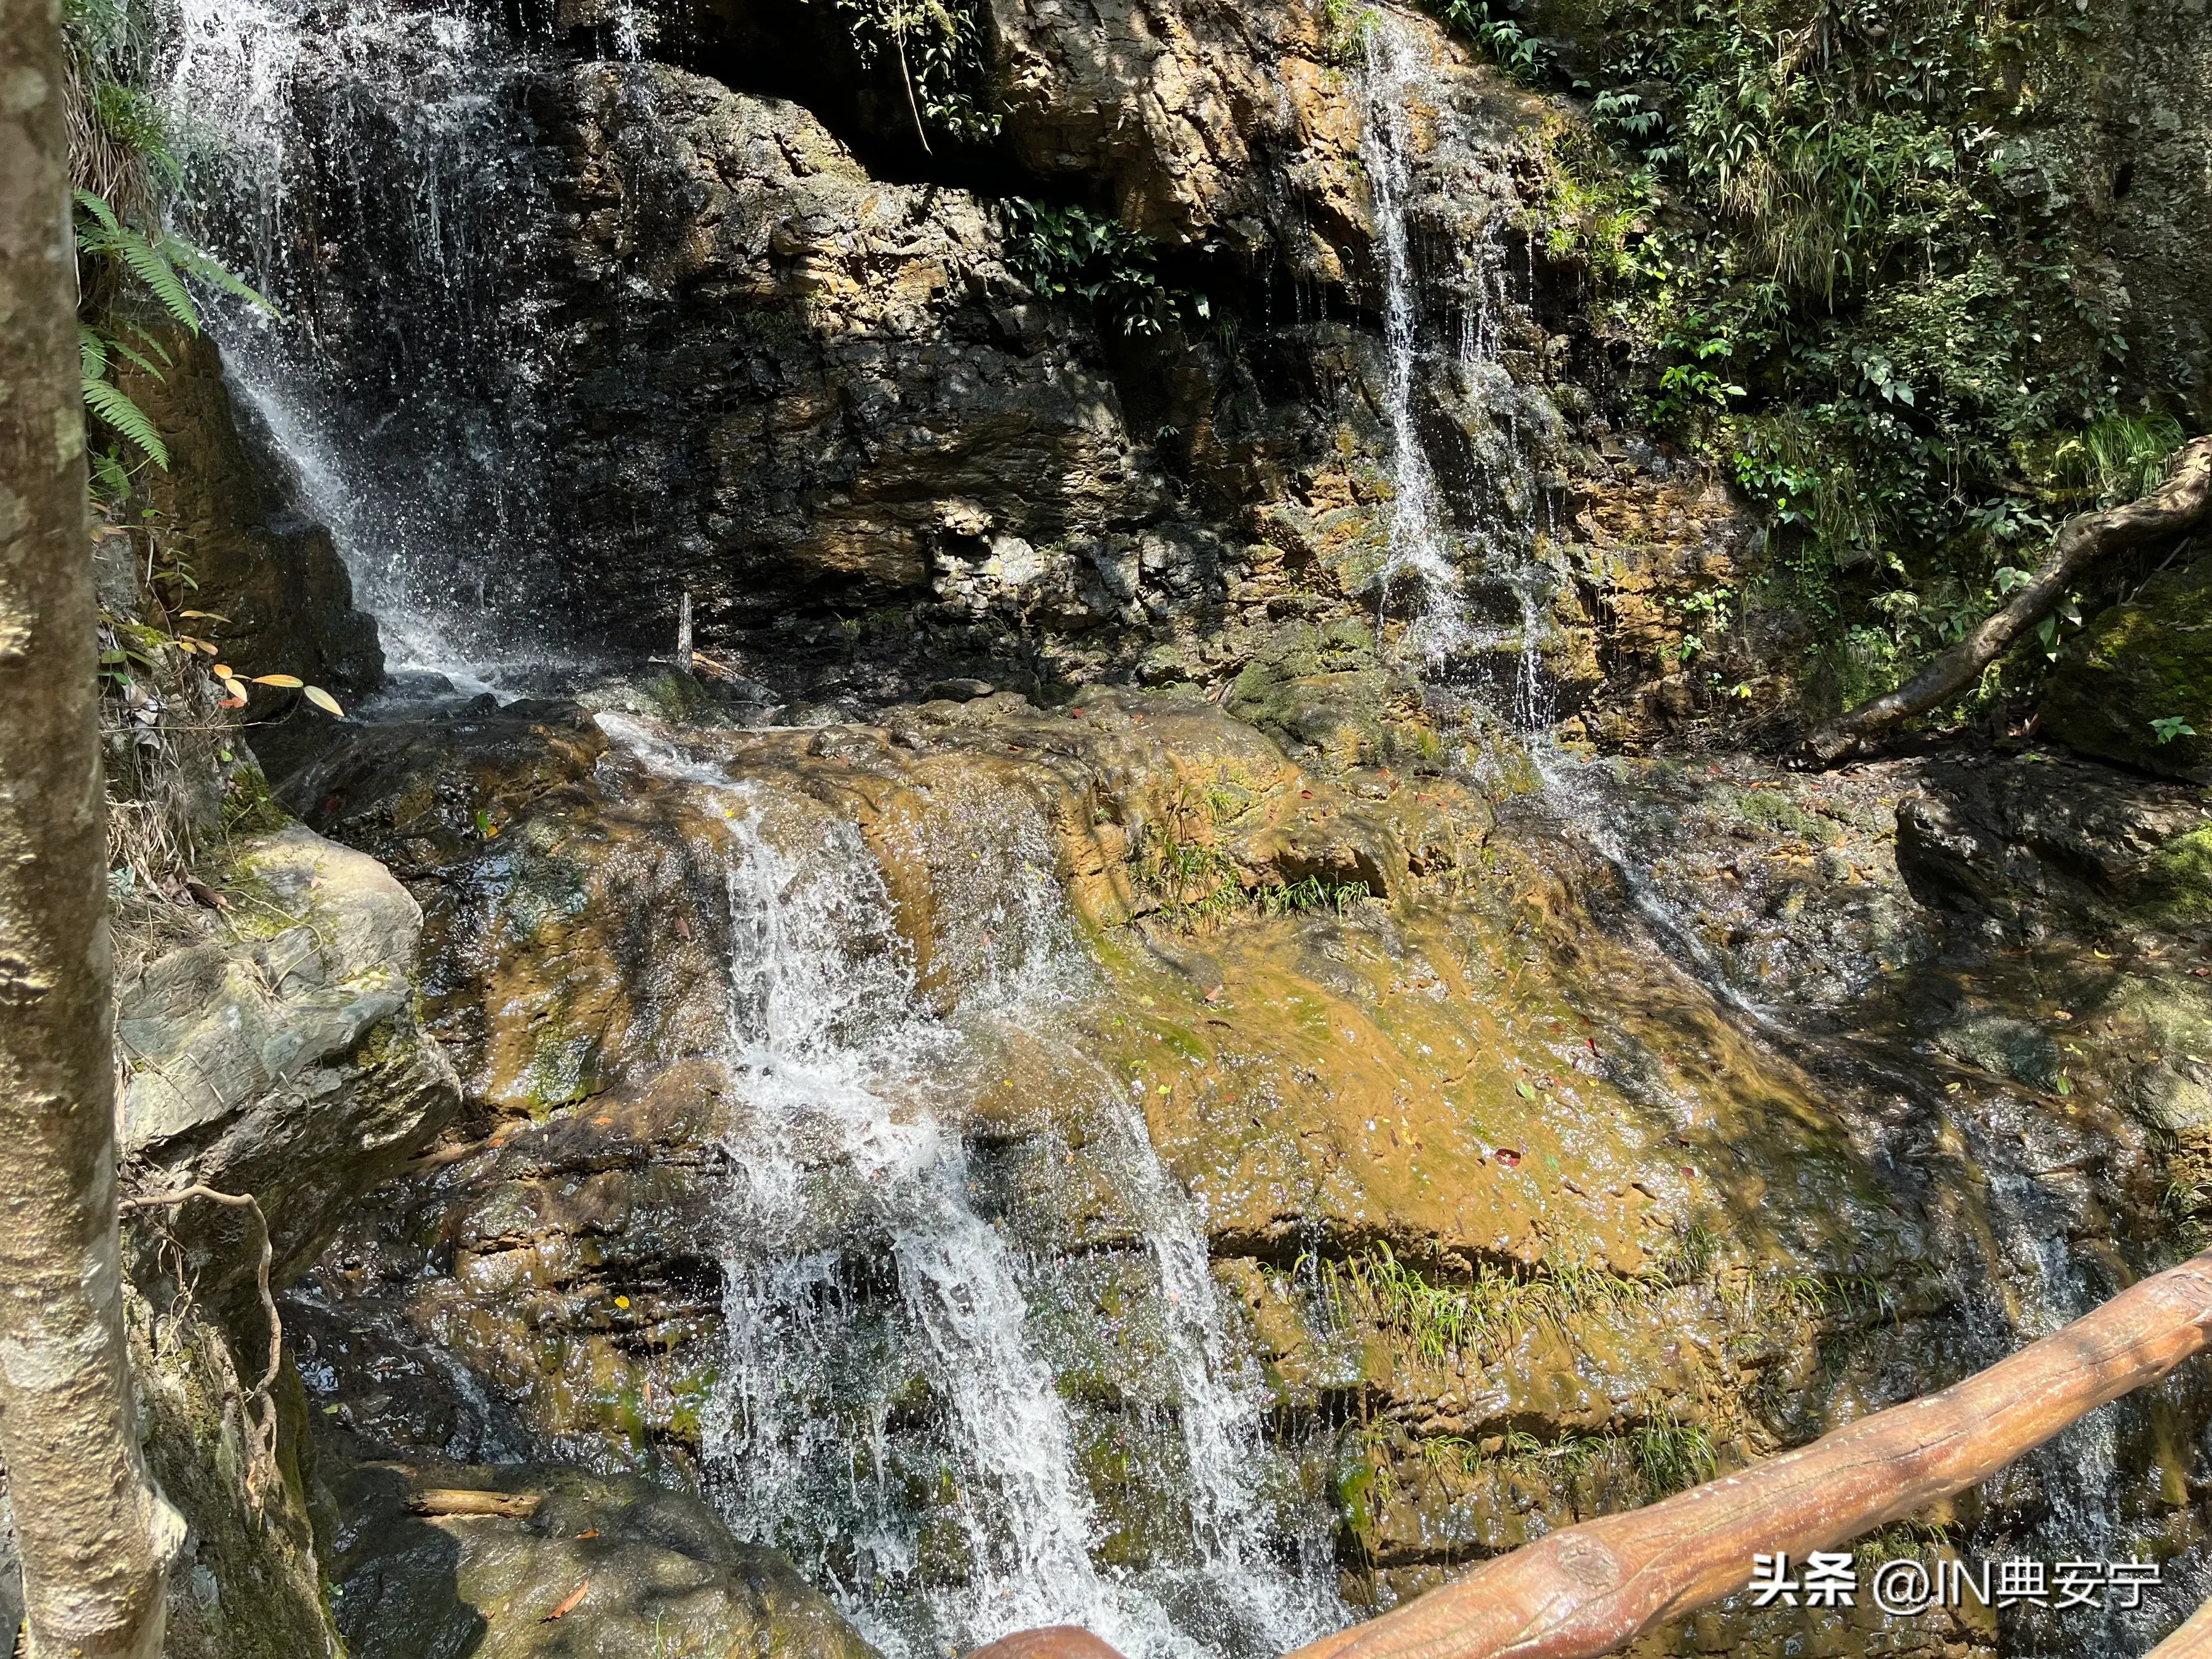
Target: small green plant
1500	39
937	45
1671	1456
2166	727
150	268
1072	253
1481	1318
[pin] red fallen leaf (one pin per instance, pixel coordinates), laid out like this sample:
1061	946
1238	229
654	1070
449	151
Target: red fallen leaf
1687	1170
1591	1044
575	1600
1509	1158
1215	994
682	929
594	1532
1305	794
206	895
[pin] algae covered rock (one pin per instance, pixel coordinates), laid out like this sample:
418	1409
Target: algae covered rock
2140	664
284	1060
596	1564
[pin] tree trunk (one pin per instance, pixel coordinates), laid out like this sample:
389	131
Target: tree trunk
96	1536
1591	1589
2173	508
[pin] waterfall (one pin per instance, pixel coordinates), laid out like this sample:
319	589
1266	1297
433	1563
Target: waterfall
370	167
887	1416
1418	553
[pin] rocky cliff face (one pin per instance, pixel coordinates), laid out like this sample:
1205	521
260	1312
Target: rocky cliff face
1538	1136
879	428
1524	1222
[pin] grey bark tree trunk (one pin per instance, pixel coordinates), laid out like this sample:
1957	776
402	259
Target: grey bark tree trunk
96	1537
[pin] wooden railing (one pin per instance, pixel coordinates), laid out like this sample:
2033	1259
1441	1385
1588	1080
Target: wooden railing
1587	1591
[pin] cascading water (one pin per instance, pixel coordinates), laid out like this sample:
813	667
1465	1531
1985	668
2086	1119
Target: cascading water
1444	542
889	1418
369	168
1496	551
1419	554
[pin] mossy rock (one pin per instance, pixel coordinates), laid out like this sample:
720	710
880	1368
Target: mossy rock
1317	687
603	1565
2148	661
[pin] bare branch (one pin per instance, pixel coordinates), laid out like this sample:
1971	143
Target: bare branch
2176	505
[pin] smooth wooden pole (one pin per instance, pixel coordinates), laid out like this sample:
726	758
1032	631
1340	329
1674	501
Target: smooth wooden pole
2193	1641
1590	1589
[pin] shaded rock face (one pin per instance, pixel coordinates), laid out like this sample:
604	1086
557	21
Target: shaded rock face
677	337
280	1060
599	1564
283	599
2135	665
1520	1224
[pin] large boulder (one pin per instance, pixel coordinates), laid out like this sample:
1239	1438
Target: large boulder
580	1564
283	1059
278	1059
2147	660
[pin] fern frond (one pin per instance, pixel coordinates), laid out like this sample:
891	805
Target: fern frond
130	353
92	351
110	476
153	343
191	258
152	267
98	207
113	405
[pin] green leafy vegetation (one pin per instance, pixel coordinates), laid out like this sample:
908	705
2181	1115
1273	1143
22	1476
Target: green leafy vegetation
1494	31
1671	1456
937	47
1072	254
1201	886
134	275
1479	1319
1854	289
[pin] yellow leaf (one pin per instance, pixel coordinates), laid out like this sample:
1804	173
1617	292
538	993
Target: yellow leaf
621	1302
230	684
224	672
203	615
322	700
290	682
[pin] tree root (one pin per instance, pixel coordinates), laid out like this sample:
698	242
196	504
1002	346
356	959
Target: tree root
261	1469
2183	499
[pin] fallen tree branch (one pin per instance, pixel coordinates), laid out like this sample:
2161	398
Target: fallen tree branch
1589	1589
261	1464
2182	500
2193	1641
467	1500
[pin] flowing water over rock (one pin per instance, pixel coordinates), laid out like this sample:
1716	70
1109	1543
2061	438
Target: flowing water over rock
863	1286
1090	1165
369	168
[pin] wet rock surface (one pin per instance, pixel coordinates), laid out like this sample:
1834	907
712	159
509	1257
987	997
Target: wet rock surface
1522	1221
600	1564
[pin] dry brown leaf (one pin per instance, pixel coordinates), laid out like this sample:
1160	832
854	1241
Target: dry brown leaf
575	1600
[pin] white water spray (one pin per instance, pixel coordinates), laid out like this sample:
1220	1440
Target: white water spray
865	1292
